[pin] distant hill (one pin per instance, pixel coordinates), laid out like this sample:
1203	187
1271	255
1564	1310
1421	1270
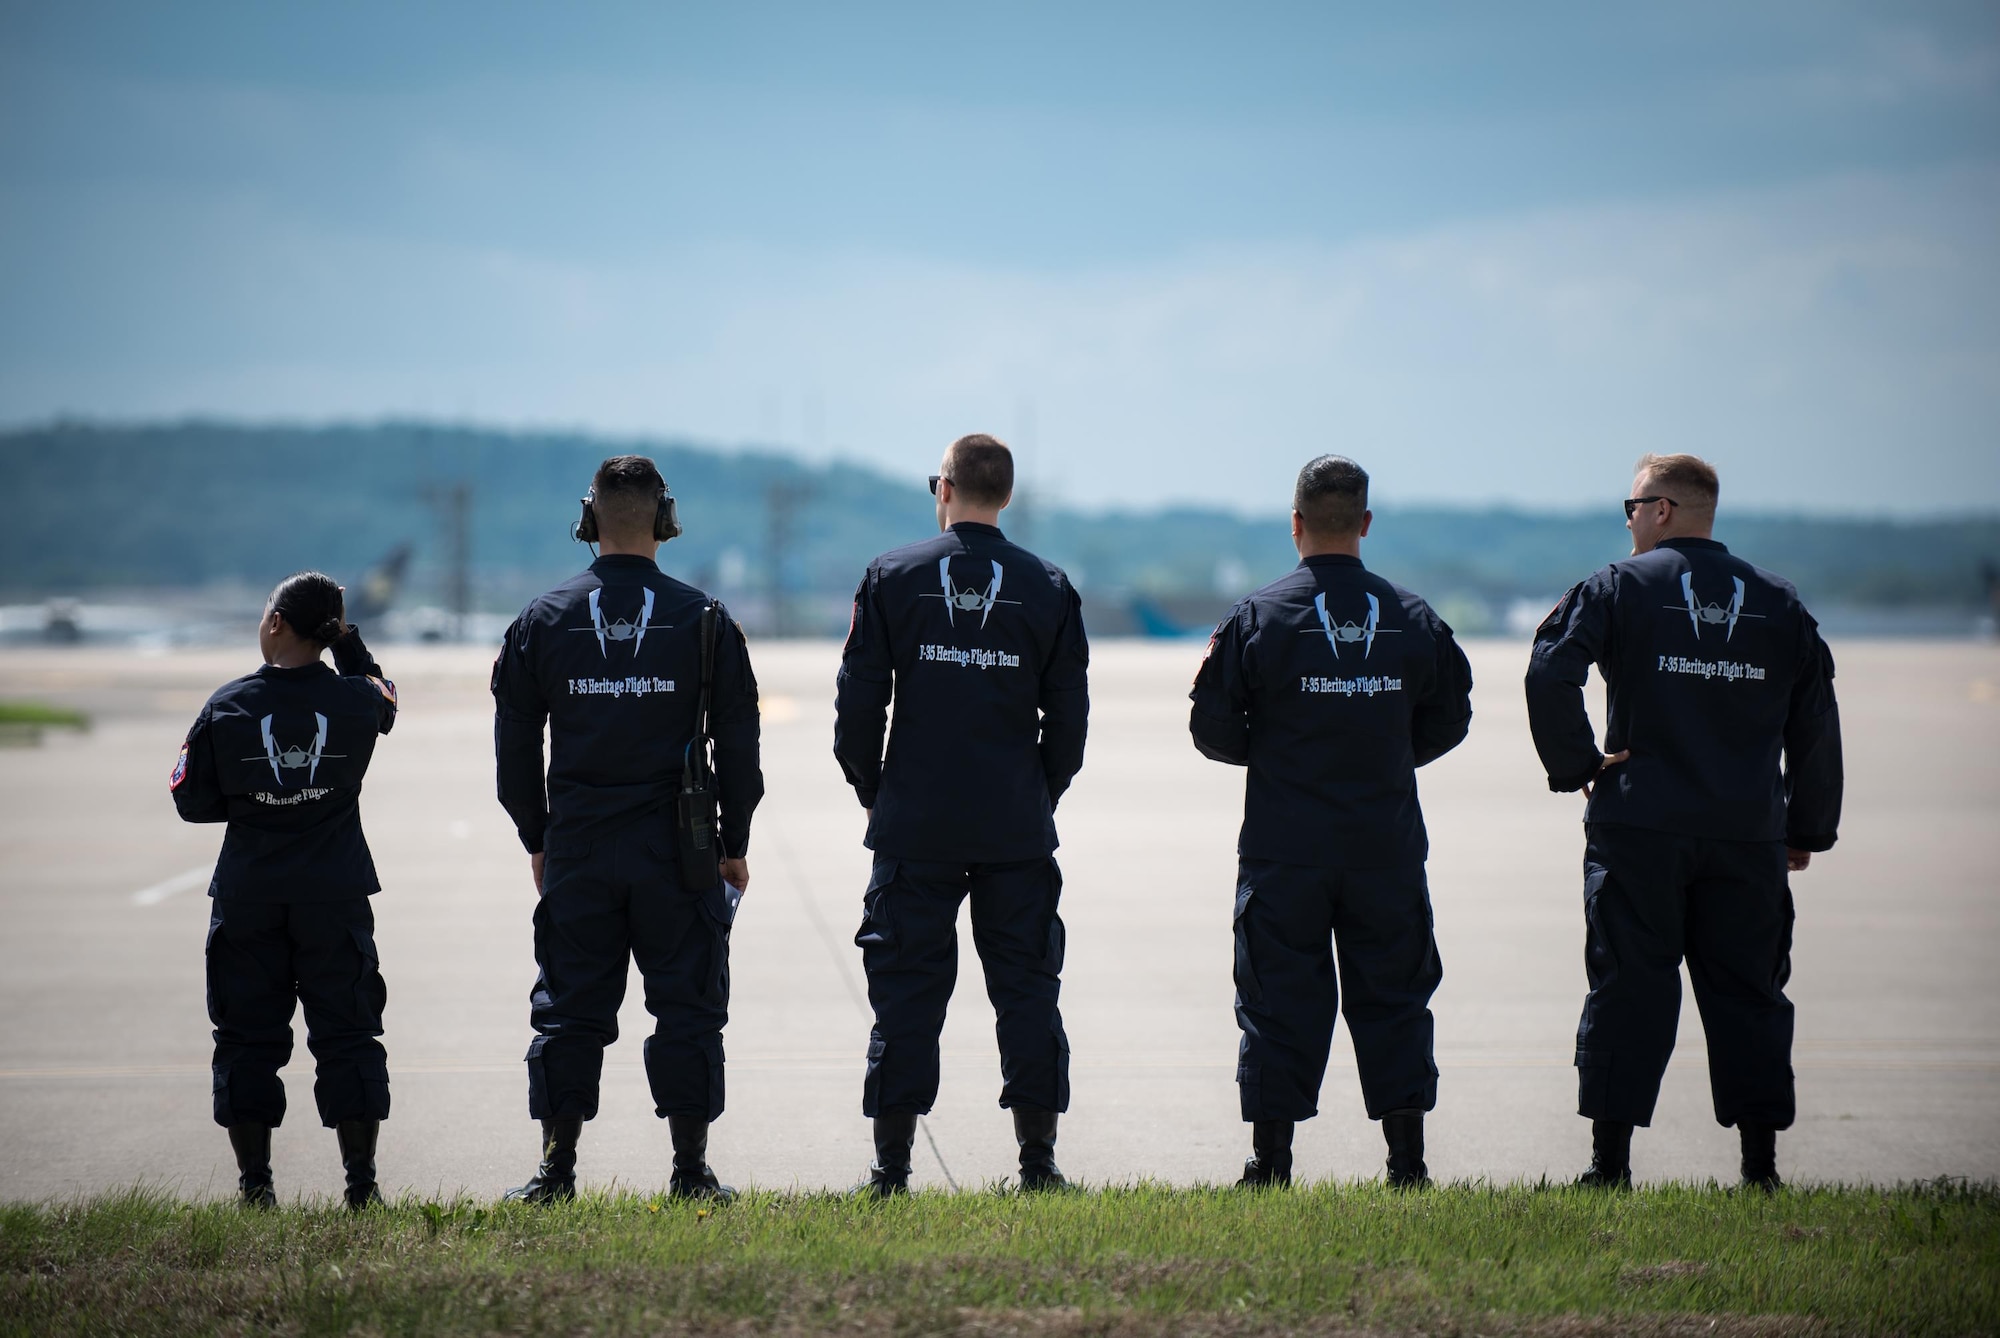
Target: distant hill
97	507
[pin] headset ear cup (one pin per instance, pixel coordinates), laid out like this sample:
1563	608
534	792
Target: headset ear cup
585	529
667	520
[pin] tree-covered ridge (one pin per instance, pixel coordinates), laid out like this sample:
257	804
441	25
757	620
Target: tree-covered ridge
87	507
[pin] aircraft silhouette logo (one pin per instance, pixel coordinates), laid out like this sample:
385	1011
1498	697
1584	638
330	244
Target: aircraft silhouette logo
608	630
968	599
285	757
1350	631
1712	614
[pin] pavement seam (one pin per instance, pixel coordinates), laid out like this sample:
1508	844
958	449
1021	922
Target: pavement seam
846	973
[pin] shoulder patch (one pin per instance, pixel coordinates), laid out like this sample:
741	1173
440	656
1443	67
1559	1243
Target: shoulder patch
385	687
180	770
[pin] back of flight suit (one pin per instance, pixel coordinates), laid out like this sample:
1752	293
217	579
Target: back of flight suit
279	755
981	646
1721	688
610	662
1332	686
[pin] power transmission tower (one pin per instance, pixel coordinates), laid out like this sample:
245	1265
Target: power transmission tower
453	504
783	500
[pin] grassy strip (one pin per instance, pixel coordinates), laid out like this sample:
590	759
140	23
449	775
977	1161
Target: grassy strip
1140	1260
35	713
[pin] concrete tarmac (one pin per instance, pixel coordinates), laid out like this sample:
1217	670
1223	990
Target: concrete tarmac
103	1059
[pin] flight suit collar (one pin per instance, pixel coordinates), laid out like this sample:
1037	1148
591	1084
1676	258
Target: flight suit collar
296	674
624	562
1330	560
976	527
1705	545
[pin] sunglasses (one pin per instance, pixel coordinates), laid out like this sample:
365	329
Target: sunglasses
1631	503
937	478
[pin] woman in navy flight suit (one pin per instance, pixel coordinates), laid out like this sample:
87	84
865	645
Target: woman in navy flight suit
279	756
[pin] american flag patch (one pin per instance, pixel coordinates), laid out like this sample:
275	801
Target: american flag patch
385	687
180	770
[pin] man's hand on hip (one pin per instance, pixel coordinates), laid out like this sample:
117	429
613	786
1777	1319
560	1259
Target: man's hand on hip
1611	760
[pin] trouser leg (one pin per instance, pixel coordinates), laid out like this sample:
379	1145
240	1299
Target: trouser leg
681	943
1389	968
1634	916
340	984
1019	937
909	950
1739	955
250	1002
582	945
1287	995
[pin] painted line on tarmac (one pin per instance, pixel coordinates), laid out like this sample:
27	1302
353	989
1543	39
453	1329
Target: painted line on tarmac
844	966
180	882
826	1064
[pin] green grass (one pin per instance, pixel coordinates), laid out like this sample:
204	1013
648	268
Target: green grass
35	713
1145	1260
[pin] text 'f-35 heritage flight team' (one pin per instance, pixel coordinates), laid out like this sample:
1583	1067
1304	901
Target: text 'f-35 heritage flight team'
961	709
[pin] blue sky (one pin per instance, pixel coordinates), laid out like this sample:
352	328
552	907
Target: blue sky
1494	252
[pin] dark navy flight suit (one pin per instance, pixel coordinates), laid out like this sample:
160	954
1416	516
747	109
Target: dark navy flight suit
279	756
610	661
1332	686
981	646
1722	690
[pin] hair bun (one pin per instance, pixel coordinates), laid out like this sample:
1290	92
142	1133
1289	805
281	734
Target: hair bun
330	631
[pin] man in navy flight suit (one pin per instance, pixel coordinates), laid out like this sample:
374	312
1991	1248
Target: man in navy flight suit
1723	774
980	644
1332	686
610	660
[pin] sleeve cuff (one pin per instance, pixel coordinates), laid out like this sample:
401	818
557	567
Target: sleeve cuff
1812	844
532	844
1571	784
866	796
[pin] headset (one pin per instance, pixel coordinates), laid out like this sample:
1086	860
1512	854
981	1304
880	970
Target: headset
666	520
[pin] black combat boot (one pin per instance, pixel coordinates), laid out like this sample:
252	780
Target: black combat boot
555	1179
1270	1164
252	1145
1403	1130
692	1179
895	1135
1610	1157
1035	1131
1760	1157
357	1157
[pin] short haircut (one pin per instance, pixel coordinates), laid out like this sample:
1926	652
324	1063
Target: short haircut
311	605
1331	496
627	492
1688	479
981	468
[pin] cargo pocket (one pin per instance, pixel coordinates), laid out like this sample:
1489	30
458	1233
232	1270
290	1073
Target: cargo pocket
225	1114
712	1051
1250	1090
1062	1069
371	992
1593	1084
1247	988
1058	946
1058	943
212	972
714	912
871	1082
877	936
